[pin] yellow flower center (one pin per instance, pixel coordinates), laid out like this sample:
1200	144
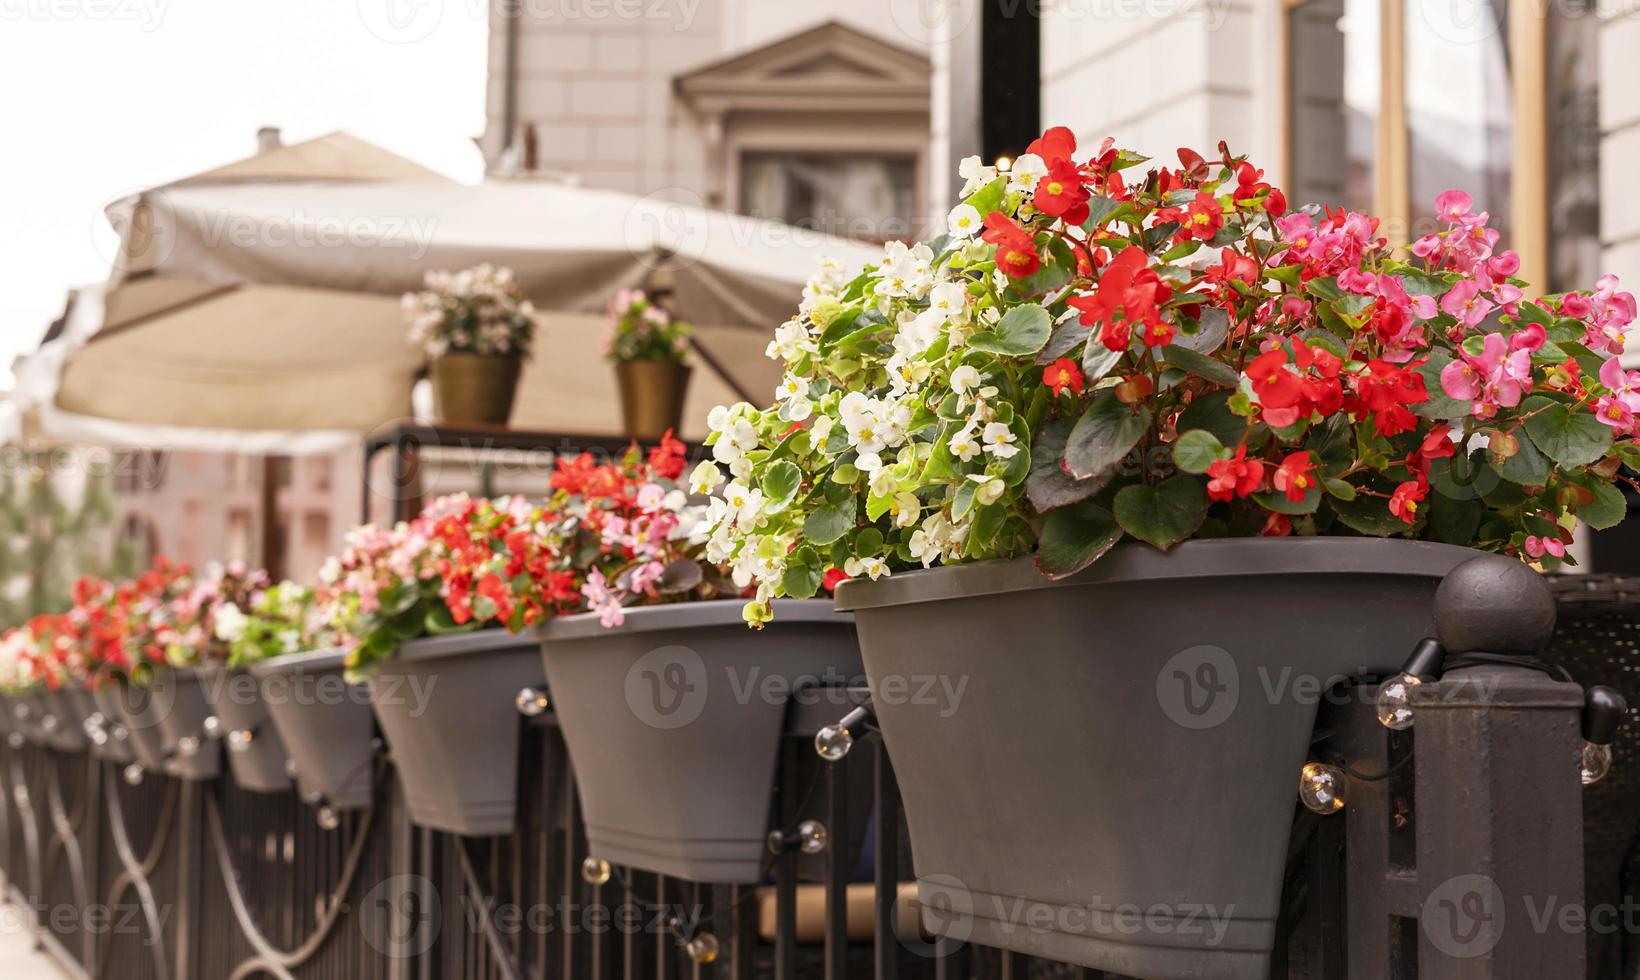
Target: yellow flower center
1055	187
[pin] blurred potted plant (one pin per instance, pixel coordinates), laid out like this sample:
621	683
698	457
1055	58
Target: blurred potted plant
1296	433
647	347
124	629
675	765
277	621
442	685
476	328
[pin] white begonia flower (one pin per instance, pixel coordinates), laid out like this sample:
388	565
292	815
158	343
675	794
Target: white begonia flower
964	221
929	542
734	442
975	174
792	386
964	379
1026	171
1000	439
872	568
906	271
741	468
819	432
868	463
230	623
797	410
705	477
905	509
990	489
791	339
907	373
950	299
883	482
718	418
963	445
745	504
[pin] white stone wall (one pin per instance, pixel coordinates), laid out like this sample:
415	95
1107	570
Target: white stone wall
1161	74
599	88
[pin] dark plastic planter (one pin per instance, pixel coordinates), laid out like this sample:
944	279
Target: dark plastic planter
256	755
324	723
29	714
194	754
64	721
140	710
115	745
446	705
1115	785
673	723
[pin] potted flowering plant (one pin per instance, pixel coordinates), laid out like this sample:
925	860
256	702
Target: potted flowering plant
476	328
125	629
432	632
674	770
1285	420
647	347
29	680
275	621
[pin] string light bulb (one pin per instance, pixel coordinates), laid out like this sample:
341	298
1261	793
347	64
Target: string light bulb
833	742
1322	788
531	702
1004	164
702	948
596	871
328	818
1603	711
1394	701
133	774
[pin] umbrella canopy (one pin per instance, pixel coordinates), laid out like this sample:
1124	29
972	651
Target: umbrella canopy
263	315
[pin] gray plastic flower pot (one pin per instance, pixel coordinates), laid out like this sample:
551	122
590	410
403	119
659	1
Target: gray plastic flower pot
673	724
324	723
115	745
30	714
447	706
1114	785
256	754
139	711
64	723
193	753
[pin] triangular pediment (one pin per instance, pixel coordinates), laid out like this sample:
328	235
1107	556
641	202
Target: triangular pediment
832	56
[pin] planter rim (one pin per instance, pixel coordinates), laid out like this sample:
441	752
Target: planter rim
305	662
686	615
1215	557
458	644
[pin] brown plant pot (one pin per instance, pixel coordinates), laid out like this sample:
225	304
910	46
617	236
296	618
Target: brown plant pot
472	390
652	395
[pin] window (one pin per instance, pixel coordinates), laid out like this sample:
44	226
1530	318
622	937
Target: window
1414	97
850	195
1333	99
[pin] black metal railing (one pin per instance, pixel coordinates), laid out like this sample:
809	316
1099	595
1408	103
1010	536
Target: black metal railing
166	879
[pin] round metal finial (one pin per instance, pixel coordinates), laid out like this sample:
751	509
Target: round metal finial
1494	604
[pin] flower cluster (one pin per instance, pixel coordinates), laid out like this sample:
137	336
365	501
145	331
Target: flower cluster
189	625
1098	351
276	620
475	311
639	329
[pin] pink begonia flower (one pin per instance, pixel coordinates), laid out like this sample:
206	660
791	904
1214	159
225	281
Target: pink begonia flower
650	496
1295	307
1617	408
1453	205
646	575
1536	546
1491	381
1465	302
1529	339
1504	264
603	601
1393	288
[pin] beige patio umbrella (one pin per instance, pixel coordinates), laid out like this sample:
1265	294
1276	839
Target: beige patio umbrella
262	315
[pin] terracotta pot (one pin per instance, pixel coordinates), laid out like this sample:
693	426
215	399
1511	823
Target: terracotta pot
652	394
473	390
1127	738
673	722
325	725
447	706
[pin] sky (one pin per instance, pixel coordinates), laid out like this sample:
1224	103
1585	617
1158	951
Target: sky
105	97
